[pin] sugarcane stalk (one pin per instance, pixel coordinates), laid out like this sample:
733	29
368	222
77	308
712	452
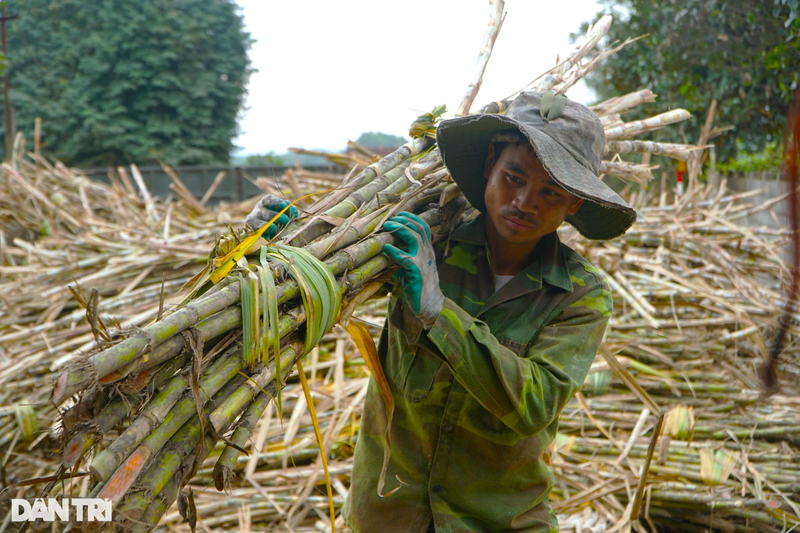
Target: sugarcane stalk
611	121
220	418
113	413
492	30
637	127
345	208
637	173
223	468
117	356
161	503
365	226
224	414
225	464
401	154
680	152
618	104
120	481
142	426
120	476
169	460
415	172
230	318
558	73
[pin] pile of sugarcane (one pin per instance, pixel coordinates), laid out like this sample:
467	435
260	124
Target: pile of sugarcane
145	409
697	294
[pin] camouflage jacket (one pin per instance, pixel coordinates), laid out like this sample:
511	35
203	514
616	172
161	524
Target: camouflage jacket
477	398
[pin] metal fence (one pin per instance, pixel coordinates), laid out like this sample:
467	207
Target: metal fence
238	184
772	187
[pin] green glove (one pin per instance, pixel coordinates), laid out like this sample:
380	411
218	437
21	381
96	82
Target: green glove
417	275
266	208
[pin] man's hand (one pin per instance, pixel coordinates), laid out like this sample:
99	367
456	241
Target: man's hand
417	275
266	208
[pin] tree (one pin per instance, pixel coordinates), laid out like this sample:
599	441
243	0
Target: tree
745	54
263	160
376	139
122	82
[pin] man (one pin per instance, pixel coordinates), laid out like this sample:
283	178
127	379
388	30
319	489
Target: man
491	331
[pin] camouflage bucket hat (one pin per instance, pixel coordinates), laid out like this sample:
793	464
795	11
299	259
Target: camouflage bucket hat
568	139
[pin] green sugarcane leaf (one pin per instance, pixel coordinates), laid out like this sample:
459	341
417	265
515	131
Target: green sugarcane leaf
270	327
321	294
26	421
248	291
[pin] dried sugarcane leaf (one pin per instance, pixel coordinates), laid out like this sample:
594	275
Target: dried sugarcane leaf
320	442
187	508
363	340
367	292
229	260
628	380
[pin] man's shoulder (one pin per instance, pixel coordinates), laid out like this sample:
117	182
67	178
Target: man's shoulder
582	272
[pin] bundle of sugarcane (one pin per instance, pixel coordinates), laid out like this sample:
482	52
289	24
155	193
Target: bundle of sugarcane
239	323
216	360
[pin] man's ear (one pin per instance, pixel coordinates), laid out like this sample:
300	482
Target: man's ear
491	159
576	204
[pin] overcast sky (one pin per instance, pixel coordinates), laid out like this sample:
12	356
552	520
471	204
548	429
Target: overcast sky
329	71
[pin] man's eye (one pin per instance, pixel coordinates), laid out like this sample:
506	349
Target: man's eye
513	179
550	192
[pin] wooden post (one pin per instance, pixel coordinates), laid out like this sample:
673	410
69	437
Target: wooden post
6	104
713	175
37	137
37	145
237	175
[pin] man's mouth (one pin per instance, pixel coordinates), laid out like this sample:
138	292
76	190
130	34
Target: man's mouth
518	224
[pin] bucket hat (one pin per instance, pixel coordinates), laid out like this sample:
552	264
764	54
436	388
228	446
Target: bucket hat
566	136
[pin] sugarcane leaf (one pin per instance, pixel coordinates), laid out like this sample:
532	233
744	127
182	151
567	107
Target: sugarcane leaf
196	343
312	411
364	294
715	466
679	422
193	287
231	257
270	326
319	289
249	319
187	508
26	420
628	380
647	369
363	340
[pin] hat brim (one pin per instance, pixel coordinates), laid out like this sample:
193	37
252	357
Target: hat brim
464	145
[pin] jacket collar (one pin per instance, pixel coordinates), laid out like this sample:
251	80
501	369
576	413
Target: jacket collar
550	265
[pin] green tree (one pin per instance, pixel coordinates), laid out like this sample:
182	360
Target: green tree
121	82
377	139
268	159
745	54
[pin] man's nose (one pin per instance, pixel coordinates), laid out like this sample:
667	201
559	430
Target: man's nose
526	201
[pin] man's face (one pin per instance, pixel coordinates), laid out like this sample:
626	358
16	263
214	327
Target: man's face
523	203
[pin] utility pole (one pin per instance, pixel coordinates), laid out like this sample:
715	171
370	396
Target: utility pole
6	104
